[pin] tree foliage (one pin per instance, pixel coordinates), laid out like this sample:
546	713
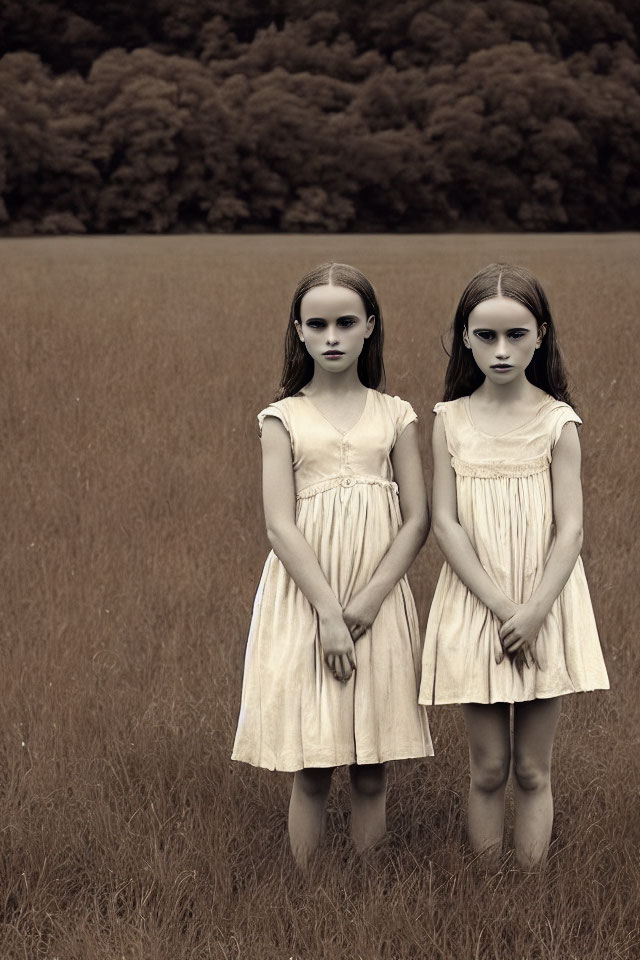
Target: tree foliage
219	115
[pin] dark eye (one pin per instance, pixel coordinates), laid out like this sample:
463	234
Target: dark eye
485	335
346	323
517	334
315	324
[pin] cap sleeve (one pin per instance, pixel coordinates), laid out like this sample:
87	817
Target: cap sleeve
404	414
274	410
446	409
562	414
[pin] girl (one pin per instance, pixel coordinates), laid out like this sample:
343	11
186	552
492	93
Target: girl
332	662
511	619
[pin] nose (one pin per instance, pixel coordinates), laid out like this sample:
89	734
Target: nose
332	336
502	348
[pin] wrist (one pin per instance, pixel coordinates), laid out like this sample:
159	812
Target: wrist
504	608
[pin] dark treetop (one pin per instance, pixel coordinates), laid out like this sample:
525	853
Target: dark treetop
169	115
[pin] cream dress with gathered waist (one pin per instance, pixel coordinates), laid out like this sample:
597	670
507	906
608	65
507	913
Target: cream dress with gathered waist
505	505
294	713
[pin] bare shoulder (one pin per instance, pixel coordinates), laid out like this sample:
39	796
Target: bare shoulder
272	429
568	442
275	427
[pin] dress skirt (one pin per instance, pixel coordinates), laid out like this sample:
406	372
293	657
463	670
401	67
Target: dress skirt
294	713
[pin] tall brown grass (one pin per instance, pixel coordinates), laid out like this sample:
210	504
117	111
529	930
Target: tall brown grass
132	542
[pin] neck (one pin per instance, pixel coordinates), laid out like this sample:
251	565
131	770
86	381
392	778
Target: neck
509	393
323	382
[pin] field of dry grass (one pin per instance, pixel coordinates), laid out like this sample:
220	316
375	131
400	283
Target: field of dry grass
132	543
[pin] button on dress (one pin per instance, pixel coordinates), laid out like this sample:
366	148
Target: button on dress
294	713
505	505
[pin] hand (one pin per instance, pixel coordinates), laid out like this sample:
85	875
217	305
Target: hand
503	613
520	632
337	646
360	613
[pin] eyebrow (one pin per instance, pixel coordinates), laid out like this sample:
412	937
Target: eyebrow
347	316
481	329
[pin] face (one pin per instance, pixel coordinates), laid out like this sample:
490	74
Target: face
503	337
333	326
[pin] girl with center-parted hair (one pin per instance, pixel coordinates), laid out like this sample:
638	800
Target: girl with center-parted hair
332	662
511	621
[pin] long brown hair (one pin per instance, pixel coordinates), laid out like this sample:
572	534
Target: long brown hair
298	365
546	370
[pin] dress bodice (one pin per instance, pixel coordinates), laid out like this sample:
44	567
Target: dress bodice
522	451
322	453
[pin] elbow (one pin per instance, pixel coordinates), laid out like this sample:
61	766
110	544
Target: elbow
422	529
577	536
272	536
571	537
427	521
276	535
440	529
420	524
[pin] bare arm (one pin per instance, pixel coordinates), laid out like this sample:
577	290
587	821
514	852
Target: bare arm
567	517
294	551
523	627
452	539
407	469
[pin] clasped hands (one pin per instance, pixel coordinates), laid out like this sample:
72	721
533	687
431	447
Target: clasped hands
338	634
521	623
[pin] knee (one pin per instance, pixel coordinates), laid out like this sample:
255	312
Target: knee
531	776
369	780
490	773
314	782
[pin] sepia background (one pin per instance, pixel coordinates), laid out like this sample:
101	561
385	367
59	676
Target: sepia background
418	141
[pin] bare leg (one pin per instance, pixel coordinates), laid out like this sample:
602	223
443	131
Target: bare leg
535	723
307	811
368	804
489	758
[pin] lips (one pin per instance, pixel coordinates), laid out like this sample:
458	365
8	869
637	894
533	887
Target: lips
333	353
501	366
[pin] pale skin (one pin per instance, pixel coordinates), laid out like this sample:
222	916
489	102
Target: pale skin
333	318
501	331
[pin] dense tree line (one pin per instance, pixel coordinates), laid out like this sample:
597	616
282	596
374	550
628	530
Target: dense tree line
293	115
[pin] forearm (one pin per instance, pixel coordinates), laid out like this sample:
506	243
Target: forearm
399	557
301	563
560	563
458	550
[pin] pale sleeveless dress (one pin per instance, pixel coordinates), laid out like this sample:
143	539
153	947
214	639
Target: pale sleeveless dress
504	499
294	713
